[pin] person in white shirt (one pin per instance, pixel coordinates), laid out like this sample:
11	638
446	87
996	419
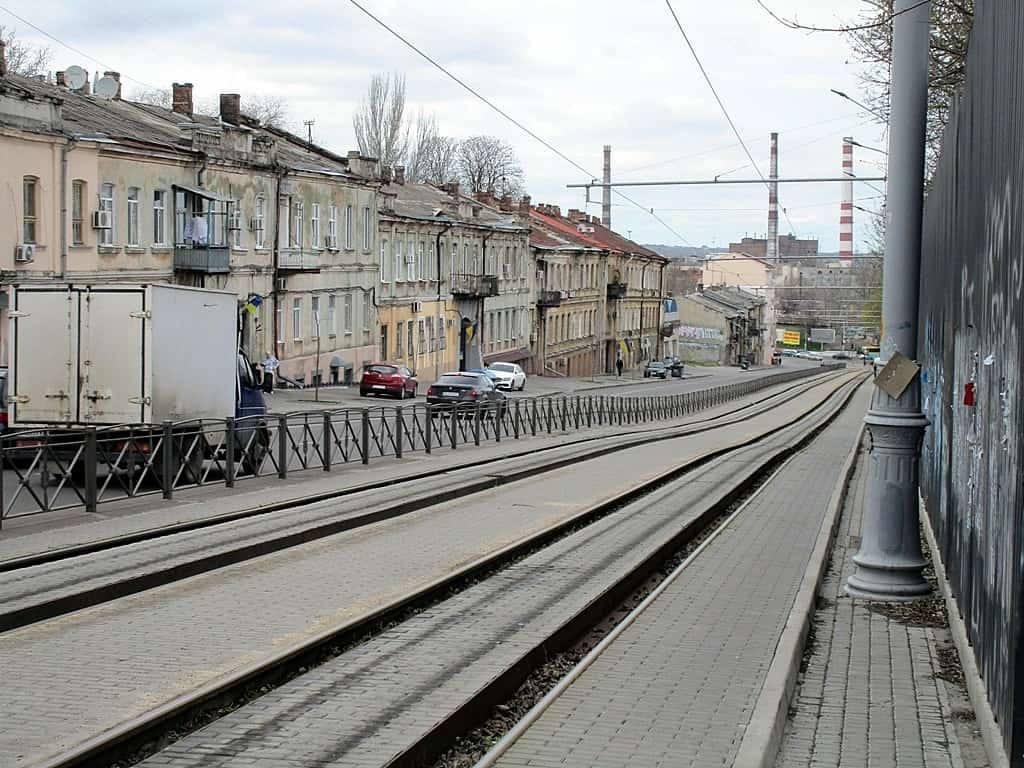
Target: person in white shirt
270	364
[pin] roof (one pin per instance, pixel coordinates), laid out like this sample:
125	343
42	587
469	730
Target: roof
131	123
585	232
425	202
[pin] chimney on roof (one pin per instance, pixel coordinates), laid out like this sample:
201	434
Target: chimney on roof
231	108
506	203
451	187
3	59
399	174
181	98
61	80
385	174
116	77
577	216
524	205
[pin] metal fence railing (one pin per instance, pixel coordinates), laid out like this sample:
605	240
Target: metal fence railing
50	470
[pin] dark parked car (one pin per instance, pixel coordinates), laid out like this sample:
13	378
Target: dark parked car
388	379
465	389
655	369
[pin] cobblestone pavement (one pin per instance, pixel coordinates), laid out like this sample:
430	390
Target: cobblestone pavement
677	687
377	700
872	693
27	587
72	677
21	536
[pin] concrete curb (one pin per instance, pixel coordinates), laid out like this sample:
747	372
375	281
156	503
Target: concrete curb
976	689
764	732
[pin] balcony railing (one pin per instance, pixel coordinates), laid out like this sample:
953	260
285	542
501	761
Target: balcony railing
549	298
617	290
474	286
298	261
202	258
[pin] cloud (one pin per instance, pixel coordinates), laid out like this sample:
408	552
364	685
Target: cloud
580	73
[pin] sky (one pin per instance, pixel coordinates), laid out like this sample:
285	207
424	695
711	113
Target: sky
578	73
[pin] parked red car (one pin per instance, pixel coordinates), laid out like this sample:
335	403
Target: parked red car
388	379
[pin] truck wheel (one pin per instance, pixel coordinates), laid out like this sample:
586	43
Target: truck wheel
253	460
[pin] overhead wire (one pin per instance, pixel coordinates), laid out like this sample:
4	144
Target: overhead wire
71	48
721	106
412	46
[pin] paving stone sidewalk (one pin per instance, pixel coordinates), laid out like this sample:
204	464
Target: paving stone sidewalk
880	686
678	687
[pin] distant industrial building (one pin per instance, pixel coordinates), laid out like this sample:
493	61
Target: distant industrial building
790	247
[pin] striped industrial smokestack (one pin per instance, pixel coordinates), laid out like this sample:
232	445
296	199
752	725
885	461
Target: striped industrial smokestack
846	206
772	247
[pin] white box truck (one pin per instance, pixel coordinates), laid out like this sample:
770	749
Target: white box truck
113	357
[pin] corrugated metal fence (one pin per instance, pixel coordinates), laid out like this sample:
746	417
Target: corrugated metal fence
972	349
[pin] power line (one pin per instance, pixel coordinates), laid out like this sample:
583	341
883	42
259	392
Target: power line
71	48
507	116
725	112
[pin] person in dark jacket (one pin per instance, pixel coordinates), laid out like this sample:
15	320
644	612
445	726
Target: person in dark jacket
618	365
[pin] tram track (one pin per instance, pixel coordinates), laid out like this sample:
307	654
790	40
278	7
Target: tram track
38	591
127	737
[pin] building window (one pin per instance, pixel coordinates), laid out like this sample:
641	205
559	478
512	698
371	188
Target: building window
297	224
411	260
259	222
348	313
399	261
423	337
367	228
384	264
133	216
455	258
421	265
297	319
348	226
408	335
159	217
366	313
279	311
442	339
315	314
78	213
431	341
235	223
332	228
332	317
30	186
398	341
107	204
314	222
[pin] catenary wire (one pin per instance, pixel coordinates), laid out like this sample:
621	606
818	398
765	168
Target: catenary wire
412	46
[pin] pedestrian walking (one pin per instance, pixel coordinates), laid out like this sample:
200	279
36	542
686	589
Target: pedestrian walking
270	364
618	365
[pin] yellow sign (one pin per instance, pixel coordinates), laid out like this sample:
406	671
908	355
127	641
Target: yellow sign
791	338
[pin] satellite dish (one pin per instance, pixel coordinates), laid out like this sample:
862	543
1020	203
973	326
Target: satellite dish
106	87
75	77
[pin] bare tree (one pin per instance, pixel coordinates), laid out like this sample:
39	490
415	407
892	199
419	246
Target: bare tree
380	124
870	37
488	164
154	97
24	58
269	109
432	157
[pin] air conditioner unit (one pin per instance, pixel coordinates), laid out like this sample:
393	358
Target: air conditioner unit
417	307
102	220
281	284
24	253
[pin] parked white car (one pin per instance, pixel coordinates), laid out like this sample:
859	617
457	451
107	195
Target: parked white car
510	376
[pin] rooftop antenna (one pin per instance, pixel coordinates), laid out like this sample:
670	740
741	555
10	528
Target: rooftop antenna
309	129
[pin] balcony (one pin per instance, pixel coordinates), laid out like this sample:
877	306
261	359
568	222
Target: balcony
617	290
549	298
474	286
298	261
210	259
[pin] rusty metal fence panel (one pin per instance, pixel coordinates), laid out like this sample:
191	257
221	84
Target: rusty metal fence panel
971	349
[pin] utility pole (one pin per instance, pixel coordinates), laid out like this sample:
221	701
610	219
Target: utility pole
889	563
